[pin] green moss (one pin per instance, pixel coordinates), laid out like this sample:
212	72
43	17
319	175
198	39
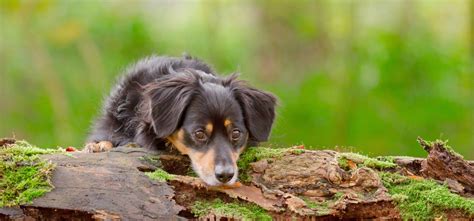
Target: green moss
337	196
22	148
321	208
378	164
361	160
343	163
389	159
297	151
253	154
150	159
191	172
160	175
423	199
236	210
23	174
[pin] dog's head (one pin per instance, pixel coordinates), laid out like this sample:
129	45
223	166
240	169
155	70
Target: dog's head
210	119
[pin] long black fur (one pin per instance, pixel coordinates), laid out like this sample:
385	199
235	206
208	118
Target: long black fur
149	101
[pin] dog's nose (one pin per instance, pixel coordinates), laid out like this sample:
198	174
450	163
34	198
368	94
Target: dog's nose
224	173
224	177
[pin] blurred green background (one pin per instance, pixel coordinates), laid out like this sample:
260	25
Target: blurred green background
365	75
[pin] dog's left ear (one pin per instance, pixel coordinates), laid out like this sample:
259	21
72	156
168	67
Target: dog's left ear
259	110
167	100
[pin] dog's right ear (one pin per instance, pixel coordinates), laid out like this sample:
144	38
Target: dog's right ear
167	100
258	109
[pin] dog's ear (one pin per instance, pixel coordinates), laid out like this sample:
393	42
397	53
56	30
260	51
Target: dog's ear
258	108
167	100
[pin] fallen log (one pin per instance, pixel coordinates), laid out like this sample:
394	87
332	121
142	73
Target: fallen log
276	184
103	186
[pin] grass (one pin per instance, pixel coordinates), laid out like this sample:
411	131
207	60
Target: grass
236	210
160	175
24	175
423	199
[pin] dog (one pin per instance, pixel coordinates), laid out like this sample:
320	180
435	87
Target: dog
182	102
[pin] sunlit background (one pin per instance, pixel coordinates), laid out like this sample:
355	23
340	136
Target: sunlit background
364	75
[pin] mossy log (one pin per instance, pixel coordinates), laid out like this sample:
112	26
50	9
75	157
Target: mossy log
276	184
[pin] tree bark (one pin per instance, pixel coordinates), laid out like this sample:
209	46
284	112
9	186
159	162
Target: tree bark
112	186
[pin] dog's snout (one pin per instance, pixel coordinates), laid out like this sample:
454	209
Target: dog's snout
224	177
224	173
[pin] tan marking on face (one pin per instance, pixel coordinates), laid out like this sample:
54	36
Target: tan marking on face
177	140
235	156
209	128
227	122
205	160
236	153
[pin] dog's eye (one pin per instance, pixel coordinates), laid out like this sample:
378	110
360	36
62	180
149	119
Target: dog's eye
235	134
200	135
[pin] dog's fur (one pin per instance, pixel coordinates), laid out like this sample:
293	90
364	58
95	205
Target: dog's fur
181	101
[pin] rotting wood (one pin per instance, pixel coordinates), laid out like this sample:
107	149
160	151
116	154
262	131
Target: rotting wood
445	165
112	186
102	186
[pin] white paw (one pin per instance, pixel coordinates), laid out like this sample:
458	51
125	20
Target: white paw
101	146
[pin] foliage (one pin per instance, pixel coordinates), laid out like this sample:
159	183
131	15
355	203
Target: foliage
24	175
236	210
423	199
367	74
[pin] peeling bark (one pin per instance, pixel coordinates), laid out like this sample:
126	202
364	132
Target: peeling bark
445	165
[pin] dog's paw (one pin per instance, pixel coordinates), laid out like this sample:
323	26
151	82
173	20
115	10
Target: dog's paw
101	146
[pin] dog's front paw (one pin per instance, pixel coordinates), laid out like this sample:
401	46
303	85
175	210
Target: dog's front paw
101	146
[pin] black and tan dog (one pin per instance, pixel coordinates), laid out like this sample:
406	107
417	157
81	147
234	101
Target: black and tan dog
181	101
